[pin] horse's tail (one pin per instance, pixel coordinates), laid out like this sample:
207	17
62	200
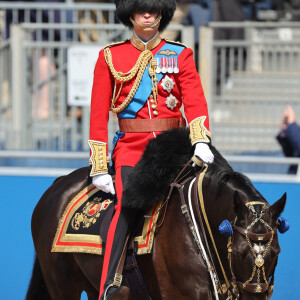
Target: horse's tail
37	289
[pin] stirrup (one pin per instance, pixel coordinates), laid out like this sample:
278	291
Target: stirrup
111	294
116	283
105	293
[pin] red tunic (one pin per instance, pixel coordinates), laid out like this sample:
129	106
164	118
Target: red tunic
187	90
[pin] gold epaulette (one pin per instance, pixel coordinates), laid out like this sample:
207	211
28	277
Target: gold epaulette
176	43
114	44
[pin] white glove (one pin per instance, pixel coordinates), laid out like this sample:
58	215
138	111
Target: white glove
204	153
104	183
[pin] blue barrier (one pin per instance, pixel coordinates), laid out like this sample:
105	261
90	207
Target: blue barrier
19	196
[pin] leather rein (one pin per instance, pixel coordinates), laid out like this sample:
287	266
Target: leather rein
227	290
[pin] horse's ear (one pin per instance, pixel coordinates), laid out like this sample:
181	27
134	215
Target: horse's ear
239	205
277	208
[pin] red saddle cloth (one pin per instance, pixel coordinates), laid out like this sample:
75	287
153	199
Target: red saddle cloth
84	224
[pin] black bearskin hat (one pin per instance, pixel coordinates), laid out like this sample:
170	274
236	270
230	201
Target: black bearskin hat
126	8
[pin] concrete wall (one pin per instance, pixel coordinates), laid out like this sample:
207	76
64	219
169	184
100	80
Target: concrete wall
19	196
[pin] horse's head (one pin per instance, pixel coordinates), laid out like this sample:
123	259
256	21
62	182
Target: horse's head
253	247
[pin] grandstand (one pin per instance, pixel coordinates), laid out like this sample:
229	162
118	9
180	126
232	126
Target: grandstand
250	82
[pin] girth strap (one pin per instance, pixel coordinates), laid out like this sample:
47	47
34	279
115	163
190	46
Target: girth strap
118	275
134	278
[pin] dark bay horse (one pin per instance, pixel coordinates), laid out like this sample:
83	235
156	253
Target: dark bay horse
178	265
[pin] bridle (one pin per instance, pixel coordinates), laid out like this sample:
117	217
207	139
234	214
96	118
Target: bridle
262	285
236	286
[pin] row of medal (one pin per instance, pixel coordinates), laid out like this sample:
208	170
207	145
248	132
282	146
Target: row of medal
168	84
167	65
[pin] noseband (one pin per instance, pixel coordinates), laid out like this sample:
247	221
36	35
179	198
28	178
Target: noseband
259	268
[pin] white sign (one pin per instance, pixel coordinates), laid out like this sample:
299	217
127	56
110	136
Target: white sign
81	64
285	34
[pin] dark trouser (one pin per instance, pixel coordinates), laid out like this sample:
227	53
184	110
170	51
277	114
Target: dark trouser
121	225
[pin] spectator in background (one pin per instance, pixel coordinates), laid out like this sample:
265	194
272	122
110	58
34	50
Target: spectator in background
43	66
292	10
200	13
181	13
228	11
33	18
189	12
289	136
95	17
287	10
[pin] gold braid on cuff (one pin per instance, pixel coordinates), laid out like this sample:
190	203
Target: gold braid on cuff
98	159
198	132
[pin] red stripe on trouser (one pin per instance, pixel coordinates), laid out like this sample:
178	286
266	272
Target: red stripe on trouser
112	230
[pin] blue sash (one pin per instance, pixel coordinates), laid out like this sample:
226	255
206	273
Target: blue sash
145	87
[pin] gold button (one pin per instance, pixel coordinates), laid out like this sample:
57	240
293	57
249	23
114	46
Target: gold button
155	113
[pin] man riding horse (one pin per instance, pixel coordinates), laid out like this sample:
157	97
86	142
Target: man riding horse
145	81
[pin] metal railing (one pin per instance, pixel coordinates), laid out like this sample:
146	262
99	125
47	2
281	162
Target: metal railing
53	13
52	165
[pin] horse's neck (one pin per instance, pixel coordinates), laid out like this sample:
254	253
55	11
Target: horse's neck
218	206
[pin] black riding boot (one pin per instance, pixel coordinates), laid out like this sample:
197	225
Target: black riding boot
113	284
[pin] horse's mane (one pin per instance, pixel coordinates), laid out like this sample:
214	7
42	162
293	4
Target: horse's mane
161	162
221	173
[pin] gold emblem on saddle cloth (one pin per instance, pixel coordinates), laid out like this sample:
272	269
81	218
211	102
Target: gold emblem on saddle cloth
90	213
